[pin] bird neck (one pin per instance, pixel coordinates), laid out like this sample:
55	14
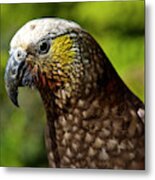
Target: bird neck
89	98
101	85
95	98
70	112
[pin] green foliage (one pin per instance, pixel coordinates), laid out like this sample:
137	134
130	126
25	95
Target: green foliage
119	29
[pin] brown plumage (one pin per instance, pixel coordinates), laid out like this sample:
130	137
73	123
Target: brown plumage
93	119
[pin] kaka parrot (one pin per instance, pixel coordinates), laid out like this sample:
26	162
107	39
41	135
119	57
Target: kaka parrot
93	119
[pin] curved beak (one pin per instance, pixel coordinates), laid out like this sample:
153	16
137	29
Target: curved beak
13	75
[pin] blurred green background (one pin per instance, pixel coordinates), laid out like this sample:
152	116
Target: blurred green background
119	29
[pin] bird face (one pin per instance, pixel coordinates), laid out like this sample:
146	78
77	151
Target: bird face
44	53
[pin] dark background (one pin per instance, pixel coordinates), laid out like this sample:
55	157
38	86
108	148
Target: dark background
119	29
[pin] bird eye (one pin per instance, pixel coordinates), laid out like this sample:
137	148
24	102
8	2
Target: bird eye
44	47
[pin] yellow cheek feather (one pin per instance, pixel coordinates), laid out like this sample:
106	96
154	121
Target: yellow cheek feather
61	50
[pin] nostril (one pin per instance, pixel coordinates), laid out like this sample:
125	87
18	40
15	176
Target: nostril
17	54
20	54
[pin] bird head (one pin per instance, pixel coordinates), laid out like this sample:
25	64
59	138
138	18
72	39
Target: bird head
51	53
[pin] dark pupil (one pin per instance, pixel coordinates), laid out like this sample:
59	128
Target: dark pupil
43	47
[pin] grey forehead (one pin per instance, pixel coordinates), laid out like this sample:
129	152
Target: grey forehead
34	30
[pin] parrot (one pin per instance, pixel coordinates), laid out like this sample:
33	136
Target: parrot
93	120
